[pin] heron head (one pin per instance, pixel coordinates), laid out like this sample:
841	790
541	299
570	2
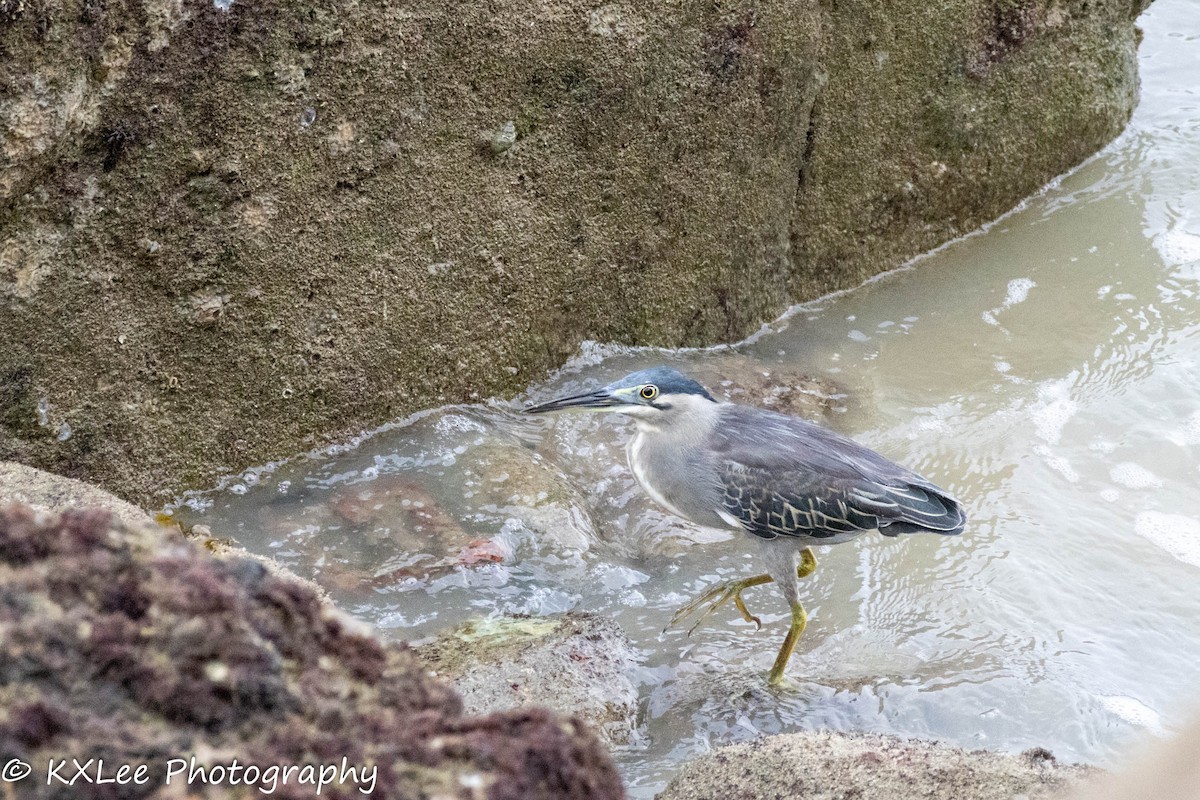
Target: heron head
646	394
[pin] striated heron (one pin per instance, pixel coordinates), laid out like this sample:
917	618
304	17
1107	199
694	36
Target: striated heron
785	482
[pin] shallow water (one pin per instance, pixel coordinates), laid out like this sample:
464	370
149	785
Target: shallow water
1045	371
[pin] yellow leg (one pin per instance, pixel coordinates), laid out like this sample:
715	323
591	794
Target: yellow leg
799	620
808	563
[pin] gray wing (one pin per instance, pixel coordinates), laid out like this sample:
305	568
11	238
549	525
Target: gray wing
783	476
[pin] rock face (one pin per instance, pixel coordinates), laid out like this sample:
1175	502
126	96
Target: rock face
132	646
576	664
230	231
836	766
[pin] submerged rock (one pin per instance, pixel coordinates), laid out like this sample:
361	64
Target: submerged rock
400	511
826	765
381	531
131	645
512	481
576	664
782	388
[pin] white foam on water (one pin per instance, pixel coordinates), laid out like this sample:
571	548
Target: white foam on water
1053	410
458	423
1133	711
1018	291
1178	245
1175	533
1190	434
1057	463
1134	476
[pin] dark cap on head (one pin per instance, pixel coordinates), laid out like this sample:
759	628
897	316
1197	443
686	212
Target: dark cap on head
668	381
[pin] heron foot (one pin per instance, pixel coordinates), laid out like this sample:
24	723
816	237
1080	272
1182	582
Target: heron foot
718	596
799	621
722	593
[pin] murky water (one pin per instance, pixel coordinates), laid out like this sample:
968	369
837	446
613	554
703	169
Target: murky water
1044	371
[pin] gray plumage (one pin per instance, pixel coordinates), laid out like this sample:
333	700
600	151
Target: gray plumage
784	476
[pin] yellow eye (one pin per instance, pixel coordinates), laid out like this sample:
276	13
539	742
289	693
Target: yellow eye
649	392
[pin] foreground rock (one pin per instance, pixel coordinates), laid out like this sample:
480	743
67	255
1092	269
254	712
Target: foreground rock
576	664
45	491
54	494
1162	770
133	646
230	231
836	766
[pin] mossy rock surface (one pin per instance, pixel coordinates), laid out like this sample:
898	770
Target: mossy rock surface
227	236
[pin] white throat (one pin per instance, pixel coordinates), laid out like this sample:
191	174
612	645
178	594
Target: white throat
685	415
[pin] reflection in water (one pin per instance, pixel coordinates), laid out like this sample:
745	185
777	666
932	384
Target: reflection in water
1043	371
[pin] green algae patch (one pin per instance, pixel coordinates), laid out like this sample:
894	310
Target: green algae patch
505	630
488	639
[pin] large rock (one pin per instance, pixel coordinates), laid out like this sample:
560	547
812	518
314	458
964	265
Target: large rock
132	646
232	230
837	766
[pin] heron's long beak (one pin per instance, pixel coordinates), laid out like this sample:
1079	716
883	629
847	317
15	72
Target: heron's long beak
592	401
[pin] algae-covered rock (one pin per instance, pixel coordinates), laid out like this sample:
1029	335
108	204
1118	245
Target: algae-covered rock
576	664
233	231
130	645
825	765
